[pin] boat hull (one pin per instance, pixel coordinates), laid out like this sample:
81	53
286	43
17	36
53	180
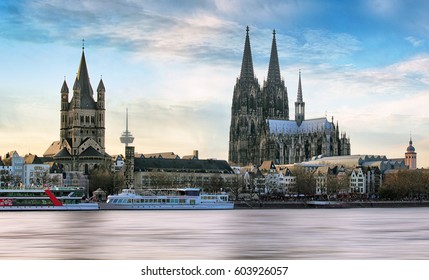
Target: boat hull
327	204
69	207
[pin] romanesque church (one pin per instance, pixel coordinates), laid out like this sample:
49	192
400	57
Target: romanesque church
82	132
260	127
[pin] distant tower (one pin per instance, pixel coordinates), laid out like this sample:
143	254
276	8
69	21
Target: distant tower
127	137
411	156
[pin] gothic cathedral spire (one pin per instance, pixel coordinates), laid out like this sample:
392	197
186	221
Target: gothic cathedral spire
274	68
247	64
299	104
274	92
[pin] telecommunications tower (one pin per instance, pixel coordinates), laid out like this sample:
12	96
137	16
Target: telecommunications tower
127	137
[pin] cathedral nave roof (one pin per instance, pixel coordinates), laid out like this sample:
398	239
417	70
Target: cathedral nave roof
291	127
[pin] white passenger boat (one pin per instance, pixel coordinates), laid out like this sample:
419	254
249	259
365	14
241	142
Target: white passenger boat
37	199
167	199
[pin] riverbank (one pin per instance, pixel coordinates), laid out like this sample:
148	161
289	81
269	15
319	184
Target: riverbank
340	204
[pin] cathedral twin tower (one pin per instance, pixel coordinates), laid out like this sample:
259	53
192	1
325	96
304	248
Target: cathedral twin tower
260	126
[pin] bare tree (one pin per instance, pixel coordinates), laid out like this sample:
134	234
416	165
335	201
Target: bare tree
305	182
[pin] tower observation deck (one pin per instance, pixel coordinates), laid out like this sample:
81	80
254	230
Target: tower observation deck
126	137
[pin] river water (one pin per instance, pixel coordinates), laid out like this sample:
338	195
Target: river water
291	234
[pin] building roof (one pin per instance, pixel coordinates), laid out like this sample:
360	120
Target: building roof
266	166
189	157
352	161
410	148
169	155
291	126
180	165
62	153
53	149
91	152
32	159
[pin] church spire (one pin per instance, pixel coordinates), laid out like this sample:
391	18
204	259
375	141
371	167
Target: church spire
82	73
299	98
247	64
274	68
299	104
64	88
86	92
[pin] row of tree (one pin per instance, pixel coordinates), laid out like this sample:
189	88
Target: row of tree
405	185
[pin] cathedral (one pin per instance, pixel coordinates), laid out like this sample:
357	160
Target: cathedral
82	132
260	127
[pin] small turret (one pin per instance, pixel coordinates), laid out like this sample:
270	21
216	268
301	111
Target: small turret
101	95
411	156
64	96
76	94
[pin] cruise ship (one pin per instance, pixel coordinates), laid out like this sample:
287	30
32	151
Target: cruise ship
39	199
167	199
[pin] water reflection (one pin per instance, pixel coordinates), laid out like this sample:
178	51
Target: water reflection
401	233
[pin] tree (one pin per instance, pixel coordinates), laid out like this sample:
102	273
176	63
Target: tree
409	184
305	182
333	185
215	184
104	178
235	187
160	180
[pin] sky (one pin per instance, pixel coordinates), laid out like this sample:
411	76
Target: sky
174	65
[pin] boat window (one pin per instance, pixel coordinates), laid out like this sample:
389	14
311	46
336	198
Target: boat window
192	192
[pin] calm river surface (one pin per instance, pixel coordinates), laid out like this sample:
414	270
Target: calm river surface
314	234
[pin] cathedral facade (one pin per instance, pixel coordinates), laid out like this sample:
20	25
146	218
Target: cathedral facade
260	126
82	131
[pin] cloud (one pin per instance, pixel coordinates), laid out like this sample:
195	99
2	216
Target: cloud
414	41
202	30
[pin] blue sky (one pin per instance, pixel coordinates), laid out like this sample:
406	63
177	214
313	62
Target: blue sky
174	65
